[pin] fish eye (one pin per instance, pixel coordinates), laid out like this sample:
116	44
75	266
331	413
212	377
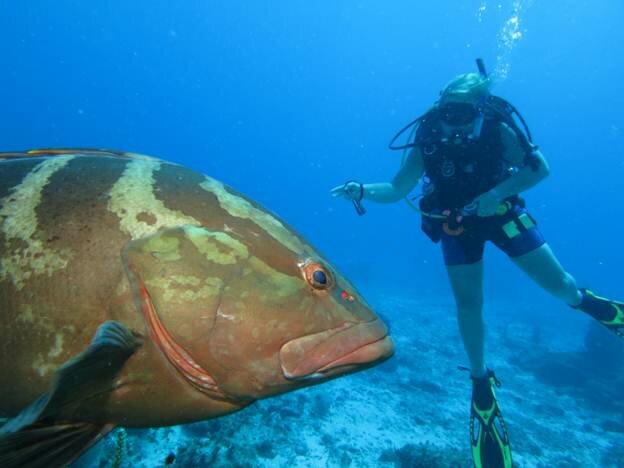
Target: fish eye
317	276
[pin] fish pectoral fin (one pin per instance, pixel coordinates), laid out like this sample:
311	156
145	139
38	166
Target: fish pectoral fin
43	444
92	372
46	430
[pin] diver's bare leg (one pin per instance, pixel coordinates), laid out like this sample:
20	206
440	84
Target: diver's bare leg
544	268
467	285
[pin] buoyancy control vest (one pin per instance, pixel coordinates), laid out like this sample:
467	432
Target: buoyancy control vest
458	168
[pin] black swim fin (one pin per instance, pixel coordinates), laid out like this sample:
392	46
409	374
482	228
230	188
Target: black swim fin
488	434
609	313
44	434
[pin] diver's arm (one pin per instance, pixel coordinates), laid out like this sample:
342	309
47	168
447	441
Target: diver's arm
402	184
527	175
387	192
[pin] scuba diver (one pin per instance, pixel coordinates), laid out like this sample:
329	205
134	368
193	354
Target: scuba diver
475	159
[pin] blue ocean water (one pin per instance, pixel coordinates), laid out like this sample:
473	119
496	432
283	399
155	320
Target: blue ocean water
284	100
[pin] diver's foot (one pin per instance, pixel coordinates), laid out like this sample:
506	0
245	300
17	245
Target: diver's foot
609	313
488	434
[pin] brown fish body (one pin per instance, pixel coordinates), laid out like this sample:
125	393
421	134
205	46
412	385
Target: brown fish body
231	304
62	276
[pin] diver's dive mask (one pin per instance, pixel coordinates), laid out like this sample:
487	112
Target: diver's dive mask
458	114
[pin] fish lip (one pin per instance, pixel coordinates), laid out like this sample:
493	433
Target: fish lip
382	349
338	350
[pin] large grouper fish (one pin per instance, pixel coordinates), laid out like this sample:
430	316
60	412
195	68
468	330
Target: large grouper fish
136	292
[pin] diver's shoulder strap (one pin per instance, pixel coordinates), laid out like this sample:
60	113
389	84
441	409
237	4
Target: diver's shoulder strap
502	110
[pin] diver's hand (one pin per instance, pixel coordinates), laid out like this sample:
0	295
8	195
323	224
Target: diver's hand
487	204
351	191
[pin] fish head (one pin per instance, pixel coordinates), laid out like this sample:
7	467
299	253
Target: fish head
242	315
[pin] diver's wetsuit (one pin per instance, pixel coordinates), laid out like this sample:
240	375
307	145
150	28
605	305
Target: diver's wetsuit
458	170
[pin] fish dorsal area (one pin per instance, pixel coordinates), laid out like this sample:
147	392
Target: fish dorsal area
178	276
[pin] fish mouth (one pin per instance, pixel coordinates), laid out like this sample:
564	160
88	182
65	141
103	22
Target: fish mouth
338	350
